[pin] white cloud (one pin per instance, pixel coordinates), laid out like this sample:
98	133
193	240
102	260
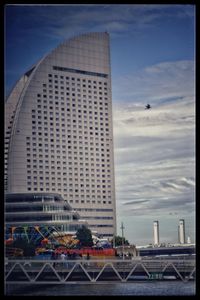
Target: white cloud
154	149
159	82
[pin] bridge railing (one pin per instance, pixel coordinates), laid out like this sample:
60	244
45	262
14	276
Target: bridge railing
96	270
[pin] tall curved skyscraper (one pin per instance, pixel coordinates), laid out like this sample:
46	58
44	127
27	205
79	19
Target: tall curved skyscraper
59	135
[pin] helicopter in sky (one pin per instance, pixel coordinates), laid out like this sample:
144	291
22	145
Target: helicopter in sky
148	106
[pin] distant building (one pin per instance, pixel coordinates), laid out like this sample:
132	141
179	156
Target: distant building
156	233
181	231
127	250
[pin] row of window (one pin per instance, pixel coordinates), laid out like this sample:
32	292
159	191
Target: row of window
65	187
69	168
66	178
81	152
71	158
57	128
58	161
63	174
78	79
77	134
76	176
74	83
91	200
77	71
98	191
94	209
85	114
67	99
73	201
91	142
52	154
47	130
52	133
54	78
70	184
68	121
73	108
84	93
64	157
53	151
94	193
72	91
89	134
69	106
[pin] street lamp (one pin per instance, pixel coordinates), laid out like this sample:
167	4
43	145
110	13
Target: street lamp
122	228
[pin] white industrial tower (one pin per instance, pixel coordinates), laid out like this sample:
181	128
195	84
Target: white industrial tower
156	233
181	231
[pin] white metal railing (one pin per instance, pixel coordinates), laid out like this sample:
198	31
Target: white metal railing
96	270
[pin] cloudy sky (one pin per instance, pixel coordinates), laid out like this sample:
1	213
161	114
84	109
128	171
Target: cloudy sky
152	61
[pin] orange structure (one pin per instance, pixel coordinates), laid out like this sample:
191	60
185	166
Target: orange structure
85	251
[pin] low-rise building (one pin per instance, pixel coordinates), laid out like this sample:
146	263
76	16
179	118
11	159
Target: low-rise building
39	215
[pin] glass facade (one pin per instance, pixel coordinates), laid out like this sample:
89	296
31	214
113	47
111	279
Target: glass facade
34	210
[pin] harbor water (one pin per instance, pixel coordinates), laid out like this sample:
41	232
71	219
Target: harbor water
163	288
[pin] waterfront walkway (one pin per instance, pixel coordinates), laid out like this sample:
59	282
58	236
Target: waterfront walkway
97	270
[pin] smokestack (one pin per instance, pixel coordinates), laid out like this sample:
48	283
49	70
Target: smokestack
156	233
181	231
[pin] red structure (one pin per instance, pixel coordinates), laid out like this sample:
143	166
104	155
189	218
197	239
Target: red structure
85	251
